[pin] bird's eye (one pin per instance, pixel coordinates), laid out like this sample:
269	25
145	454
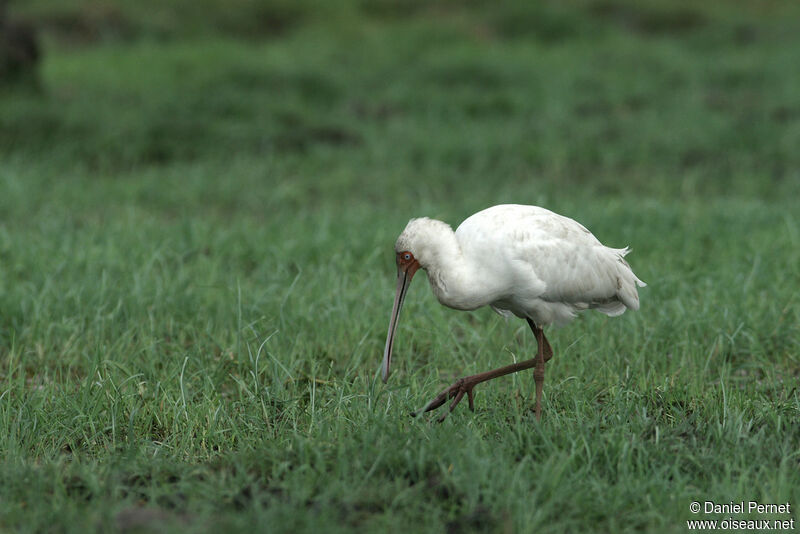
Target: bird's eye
406	256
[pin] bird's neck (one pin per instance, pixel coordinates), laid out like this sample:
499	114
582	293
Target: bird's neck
449	271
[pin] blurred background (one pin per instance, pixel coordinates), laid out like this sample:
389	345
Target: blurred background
387	97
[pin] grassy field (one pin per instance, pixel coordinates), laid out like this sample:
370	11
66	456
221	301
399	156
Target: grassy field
198	205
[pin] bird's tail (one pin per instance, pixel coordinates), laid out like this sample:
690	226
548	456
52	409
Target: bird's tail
627	282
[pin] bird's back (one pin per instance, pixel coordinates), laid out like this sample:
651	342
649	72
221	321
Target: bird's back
551	266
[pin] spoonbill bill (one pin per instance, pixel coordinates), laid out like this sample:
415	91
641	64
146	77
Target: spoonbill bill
519	260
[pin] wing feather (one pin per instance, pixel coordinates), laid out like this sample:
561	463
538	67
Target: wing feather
551	260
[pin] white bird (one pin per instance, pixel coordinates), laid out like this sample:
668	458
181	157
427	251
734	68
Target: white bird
520	260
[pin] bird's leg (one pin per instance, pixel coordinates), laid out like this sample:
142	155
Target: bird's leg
544	353
464	385
538	372
546	349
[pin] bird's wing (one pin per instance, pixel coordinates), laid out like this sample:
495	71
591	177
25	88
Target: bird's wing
554	258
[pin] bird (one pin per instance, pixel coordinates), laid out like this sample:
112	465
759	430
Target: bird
522	261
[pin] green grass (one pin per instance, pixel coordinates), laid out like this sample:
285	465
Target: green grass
196	266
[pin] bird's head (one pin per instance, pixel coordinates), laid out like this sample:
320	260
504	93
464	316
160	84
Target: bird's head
416	247
423	239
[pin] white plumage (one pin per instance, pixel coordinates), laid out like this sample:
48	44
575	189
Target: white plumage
520	260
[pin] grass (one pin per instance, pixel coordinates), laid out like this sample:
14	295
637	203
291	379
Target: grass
196	267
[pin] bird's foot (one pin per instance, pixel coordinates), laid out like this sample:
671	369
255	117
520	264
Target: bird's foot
456	392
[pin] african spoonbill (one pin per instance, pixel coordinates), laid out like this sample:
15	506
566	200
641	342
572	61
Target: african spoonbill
520	260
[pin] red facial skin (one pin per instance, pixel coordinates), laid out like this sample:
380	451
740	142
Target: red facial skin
407	263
